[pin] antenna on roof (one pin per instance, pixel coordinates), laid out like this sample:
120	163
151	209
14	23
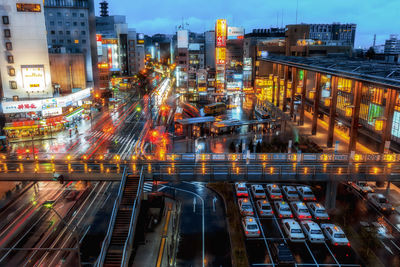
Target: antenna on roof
297	9
282	19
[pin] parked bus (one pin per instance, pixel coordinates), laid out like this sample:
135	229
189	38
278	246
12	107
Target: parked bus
214	109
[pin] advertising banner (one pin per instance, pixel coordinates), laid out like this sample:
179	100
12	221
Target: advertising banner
220	33
183	39
33	78
220	55
235	33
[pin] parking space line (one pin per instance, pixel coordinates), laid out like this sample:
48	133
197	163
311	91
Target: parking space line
333	256
261	229
312	255
394	244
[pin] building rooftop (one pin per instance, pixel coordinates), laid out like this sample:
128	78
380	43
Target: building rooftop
378	72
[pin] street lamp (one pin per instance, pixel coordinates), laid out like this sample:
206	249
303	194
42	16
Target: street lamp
49	205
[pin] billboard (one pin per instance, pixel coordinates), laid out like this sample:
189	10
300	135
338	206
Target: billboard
33	78
235	33
220	55
183	39
99	44
140	38
220	33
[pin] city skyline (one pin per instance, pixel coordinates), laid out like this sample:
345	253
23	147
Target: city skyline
259	14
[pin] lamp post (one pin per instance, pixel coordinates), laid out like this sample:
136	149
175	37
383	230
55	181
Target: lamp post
49	204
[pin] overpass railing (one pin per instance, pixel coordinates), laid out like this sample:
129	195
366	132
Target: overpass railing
273	157
107	238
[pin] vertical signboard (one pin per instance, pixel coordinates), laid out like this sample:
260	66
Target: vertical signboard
220	33
99	45
220	55
33	78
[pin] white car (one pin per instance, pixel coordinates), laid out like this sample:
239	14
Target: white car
258	191
300	210
380	201
318	211
264	208
293	230
306	193
362	187
290	192
250	227
241	190
245	207
274	191
313	231
283	209
335	234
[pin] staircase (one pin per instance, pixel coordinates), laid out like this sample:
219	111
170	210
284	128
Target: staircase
120	232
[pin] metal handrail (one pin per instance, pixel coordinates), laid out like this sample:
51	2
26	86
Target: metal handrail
107	238
129	239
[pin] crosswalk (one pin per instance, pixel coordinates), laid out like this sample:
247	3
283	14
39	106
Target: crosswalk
148	187
111	137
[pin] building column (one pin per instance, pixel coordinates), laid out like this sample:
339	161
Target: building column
388	123
317	97
278	90
331	192
332	111
286	73
303	97
293	89
357	91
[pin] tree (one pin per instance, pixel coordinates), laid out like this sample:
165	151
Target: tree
370	53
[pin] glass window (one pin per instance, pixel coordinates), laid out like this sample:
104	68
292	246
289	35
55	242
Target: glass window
59	23
13	84
9	46
82	23
28	7
83	41
81	15
5	20
53	41
67	32
11	71
60	32
75	23
68	41
67	23
52	32
58	14
10	59
74	14
7	33
61	41
83	32
52	23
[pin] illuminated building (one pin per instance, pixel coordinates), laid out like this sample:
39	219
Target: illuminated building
71	30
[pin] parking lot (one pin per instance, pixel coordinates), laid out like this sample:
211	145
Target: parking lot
304	253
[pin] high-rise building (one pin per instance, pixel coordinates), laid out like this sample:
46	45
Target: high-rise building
392	45
24	63
209	49
71	30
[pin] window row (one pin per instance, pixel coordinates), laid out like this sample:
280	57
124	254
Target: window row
67	32
67	23
59	14
67	41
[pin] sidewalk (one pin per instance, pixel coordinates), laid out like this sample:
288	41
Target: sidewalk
322	133
156	250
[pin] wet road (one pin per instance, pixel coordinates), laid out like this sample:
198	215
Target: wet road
203	236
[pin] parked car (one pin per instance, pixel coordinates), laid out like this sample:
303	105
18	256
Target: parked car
300	210
312	231
282	254
258	191
306	193
283	209
290	193
380	202
317	211
264	208
274	191
241	190
245	207
250	227
362	187
293	230
335	234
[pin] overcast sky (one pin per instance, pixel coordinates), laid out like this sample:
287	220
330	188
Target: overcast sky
380	17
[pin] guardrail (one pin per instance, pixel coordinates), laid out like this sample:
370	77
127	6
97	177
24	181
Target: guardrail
107	238
129	240
270	157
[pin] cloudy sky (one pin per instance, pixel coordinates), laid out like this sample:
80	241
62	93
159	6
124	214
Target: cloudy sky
380	17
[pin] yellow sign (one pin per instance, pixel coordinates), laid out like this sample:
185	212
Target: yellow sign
220	33
220	55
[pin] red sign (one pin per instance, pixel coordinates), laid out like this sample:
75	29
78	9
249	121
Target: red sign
98	37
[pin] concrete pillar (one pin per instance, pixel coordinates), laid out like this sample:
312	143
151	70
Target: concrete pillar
357	91
303	97
274	68
391	97
332	111
330	196
286	74
293	90
317	97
